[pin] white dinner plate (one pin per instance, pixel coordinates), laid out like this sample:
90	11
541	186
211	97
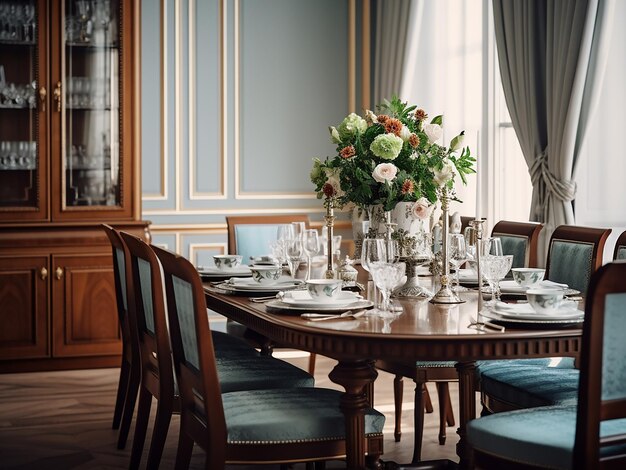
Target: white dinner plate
468	276
250	285
533	322
211	271
567	311
509	286
278	305
304	299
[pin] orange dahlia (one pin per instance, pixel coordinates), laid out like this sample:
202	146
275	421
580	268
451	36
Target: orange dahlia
347	152
382	118
393	126
420	115
414	140
407	187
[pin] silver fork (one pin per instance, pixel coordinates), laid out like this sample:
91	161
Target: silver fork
485	324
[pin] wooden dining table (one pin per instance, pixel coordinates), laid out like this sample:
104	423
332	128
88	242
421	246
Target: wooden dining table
423	331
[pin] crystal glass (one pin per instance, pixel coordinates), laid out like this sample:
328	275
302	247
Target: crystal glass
298	229
311	246
458	255
91	98
283	234
387	275
495	268
293	255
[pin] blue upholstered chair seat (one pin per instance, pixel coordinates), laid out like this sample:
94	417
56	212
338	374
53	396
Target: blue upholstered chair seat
226	345
289	415
541	436
261	372
531	385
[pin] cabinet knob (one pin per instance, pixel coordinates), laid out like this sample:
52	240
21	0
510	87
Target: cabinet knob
57	96
43	274
58	273
42	98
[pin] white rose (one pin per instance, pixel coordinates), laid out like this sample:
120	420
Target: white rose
421	209
433	132
385	172
446	173
405	133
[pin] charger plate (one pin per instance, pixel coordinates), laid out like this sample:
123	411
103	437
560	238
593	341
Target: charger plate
280	306
532	324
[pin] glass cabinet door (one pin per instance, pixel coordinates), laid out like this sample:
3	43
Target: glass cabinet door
90	98
22	111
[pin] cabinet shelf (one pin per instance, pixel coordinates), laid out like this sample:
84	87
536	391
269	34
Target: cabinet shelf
88	108
10	42
85	46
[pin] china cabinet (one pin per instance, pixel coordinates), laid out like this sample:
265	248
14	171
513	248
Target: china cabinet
69	160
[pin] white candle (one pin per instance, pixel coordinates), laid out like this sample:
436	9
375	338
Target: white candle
478	182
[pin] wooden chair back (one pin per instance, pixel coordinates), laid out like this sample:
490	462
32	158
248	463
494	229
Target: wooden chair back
620	247
149	319
602	392
519	239
119	275
237	238
574	254
194	358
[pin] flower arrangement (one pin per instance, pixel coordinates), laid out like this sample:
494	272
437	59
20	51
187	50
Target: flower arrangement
390	157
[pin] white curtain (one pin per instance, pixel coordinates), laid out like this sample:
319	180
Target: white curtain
552	58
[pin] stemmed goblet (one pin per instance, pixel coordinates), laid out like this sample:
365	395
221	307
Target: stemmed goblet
495	269
293	254
458	256
311	246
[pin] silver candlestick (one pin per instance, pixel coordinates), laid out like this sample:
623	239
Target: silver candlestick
477	234
445	295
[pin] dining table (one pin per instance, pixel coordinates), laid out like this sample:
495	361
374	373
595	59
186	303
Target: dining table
421	331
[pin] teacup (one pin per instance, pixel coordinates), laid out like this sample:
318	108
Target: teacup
266	275
527	277
544	301
227	261
324	290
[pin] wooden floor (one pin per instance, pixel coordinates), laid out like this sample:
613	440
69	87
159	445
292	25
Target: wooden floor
62	420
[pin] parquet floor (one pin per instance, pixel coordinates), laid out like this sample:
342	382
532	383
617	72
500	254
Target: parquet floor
62	420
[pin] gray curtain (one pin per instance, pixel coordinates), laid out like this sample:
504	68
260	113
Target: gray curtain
392	26
552	56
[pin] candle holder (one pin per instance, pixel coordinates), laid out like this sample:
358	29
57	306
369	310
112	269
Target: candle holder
477	233
329	217
445	295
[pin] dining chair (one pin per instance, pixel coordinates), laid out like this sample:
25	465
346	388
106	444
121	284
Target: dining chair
130	368
586	435
574	254
250	427
240	367
250	236
518	239
620	247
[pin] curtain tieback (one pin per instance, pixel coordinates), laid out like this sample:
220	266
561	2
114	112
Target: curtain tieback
565	190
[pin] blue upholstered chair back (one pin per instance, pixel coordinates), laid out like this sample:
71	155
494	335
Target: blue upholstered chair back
517	246
614	348
185	313
571	263
145	295
120	272
621	252
255	239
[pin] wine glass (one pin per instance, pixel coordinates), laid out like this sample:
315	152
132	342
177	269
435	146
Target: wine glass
495	268
293	254
311	246
380	256
283	234
458	256
298	229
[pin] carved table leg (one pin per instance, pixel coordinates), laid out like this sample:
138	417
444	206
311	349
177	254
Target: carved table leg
467	409
354	377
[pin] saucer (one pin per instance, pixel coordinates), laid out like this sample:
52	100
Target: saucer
304	299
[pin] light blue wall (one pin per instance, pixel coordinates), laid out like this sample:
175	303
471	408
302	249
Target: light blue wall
237	96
